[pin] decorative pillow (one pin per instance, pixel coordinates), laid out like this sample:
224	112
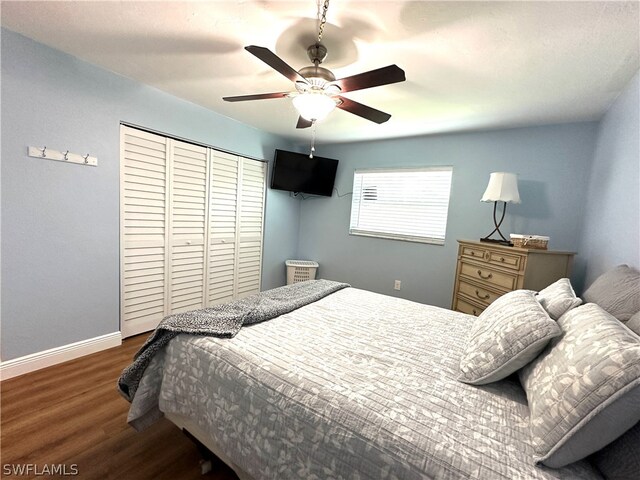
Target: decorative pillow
620	460
617	291
584	389
634	323
558	297
510	333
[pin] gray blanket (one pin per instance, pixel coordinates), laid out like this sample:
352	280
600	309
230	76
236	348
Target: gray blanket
223	321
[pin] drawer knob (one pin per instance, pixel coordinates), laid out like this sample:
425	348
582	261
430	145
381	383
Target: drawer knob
482	297
488	276
473	254
475	312
502	259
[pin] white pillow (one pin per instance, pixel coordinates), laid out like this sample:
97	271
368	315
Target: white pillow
617	291
558	298
510	333
584	388
634	323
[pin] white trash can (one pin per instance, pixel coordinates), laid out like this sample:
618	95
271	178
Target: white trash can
300	270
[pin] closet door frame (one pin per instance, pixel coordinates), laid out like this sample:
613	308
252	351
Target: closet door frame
168	244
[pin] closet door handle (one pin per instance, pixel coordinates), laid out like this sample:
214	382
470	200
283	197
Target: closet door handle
482	297
484	277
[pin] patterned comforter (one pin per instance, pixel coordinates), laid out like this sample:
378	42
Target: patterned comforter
354	386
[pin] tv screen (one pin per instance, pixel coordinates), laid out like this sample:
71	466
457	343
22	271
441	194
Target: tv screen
296	172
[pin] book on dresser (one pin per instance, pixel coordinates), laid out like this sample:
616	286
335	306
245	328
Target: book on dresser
486	271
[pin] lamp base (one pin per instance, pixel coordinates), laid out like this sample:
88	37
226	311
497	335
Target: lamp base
506	243
502	240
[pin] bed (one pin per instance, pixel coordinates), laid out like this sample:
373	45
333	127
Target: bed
355	385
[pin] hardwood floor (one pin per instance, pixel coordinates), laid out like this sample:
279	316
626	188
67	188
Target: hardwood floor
71	414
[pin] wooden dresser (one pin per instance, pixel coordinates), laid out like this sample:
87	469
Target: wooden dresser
486	271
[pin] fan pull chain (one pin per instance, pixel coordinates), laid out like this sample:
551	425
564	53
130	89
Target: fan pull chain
313	138
323	20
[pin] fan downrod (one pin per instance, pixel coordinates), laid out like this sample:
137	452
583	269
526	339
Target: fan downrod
315	74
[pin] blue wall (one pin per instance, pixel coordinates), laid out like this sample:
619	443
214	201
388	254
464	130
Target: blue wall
60	253
611	230
552	163
60	222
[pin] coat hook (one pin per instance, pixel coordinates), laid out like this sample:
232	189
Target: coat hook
66	155
44	152
86	158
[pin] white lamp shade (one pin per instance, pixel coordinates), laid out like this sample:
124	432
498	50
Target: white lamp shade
314	106
503	187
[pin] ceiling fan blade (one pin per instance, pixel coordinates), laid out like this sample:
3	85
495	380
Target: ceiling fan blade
275	62
303	123
257	96
363	111
372	78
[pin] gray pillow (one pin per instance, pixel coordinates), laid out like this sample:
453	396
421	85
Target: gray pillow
620	460
584	389
510	333
617	291
558	297
634	323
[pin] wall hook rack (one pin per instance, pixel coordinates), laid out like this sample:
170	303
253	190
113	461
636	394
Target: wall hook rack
68	157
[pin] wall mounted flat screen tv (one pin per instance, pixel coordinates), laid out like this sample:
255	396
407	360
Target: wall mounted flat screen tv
296	172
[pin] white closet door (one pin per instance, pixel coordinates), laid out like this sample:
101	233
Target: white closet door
188	219
250	226
143	206
222	224
191	228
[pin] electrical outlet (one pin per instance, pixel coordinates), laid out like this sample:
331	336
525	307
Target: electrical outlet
396	285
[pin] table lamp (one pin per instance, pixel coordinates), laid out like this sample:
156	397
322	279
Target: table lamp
503	187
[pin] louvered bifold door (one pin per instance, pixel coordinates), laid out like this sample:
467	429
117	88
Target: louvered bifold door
191	227
223	185
250	226
143	224
188	226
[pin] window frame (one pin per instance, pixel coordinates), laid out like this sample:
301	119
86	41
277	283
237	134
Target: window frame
358	194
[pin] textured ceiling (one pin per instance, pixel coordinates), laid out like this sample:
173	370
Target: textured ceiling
469	65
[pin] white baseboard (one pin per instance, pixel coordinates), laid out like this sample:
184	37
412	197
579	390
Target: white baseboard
53	356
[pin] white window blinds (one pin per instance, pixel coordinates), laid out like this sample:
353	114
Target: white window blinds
402	204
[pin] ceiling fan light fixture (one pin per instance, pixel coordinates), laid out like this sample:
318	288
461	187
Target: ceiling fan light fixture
318	91
317	75
314	106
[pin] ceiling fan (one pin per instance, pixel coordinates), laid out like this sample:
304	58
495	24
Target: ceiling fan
318	91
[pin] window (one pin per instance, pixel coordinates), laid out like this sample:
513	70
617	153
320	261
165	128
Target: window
404	204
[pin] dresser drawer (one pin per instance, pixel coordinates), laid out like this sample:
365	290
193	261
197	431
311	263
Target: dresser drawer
479	294
473	252
486	270
468	308
505	260
489	276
